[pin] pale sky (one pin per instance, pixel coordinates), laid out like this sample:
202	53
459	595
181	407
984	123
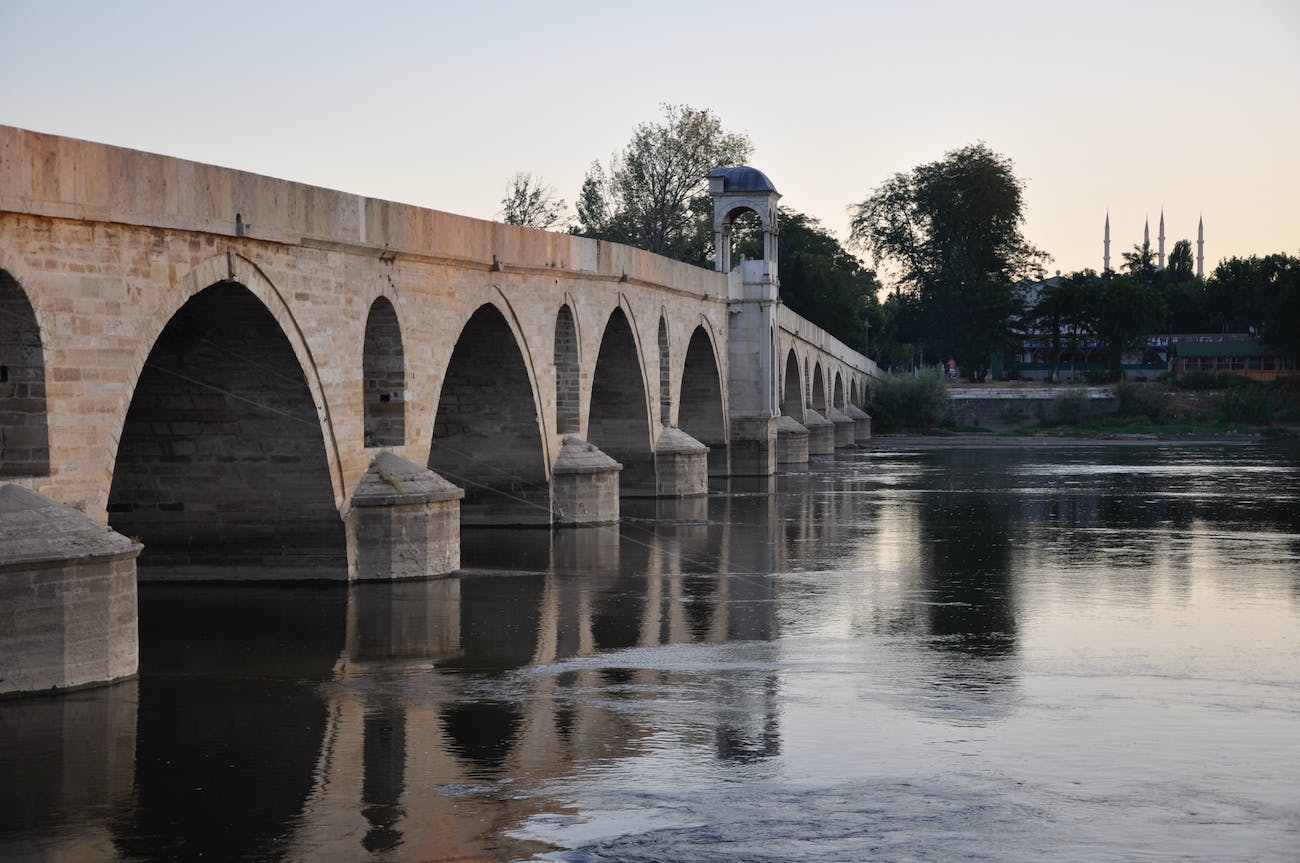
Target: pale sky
1119	106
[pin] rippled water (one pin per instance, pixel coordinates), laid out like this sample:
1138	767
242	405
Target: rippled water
1004	654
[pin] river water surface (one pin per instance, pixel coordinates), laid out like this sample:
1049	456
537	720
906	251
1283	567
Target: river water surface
996	654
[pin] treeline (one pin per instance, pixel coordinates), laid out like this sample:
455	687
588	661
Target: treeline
965	284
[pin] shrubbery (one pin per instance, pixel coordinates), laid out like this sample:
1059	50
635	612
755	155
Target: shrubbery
1211	381
1072	407
1143	400
910	402
1249	404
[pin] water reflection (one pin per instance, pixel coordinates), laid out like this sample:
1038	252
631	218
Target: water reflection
787	624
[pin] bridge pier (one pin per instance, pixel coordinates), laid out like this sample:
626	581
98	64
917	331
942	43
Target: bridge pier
821	433
68	611
861	425
791	441
681	465
404	522
843	425
584	485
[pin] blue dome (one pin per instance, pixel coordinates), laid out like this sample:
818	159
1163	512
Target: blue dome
743	178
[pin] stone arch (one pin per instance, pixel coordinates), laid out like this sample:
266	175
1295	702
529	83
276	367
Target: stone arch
853	391
700	412
221	467
665	373
838	398
792	400
487	435
568	389
24	423
618	417
233	268
818	390
383	374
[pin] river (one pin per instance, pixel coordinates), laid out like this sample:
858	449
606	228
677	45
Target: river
909	653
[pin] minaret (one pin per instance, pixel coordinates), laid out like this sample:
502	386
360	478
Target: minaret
1146	234
1105	246
1200	248
1161	239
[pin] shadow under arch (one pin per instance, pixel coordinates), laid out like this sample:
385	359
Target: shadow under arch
383	376
818	391
487	437
221	468
618	418
838	401
700	413
792	401
24	422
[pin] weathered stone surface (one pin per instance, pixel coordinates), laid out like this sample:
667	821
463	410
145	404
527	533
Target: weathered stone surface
821	433
404	522
791	441
681	465
861	425
68	613
843	424
584	486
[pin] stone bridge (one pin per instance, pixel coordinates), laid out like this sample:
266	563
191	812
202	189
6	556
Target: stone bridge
258	378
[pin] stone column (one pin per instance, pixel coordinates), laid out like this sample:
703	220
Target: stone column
752	380
403	522
584	485
68	612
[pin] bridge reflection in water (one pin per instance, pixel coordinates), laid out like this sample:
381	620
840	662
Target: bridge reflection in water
434	720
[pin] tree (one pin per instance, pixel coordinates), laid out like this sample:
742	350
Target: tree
951	231
1180	268
820	279
531	203
654	194
1122	311
1060	310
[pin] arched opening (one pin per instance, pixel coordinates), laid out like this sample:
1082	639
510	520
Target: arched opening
853	392
618	423
792	404
700	411
487	438
222	470
839	392
818	391
746	235
568	396
665	376
383	371
24	429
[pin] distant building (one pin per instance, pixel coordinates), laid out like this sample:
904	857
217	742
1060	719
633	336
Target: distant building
1239	355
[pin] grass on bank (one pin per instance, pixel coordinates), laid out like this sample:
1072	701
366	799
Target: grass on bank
1201	404
1204	405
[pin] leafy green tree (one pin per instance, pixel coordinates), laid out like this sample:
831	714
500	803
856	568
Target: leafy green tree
1180	267
820	279
1241	292
1061	311
1282	322
951	231
531	202
654	194
1122	311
